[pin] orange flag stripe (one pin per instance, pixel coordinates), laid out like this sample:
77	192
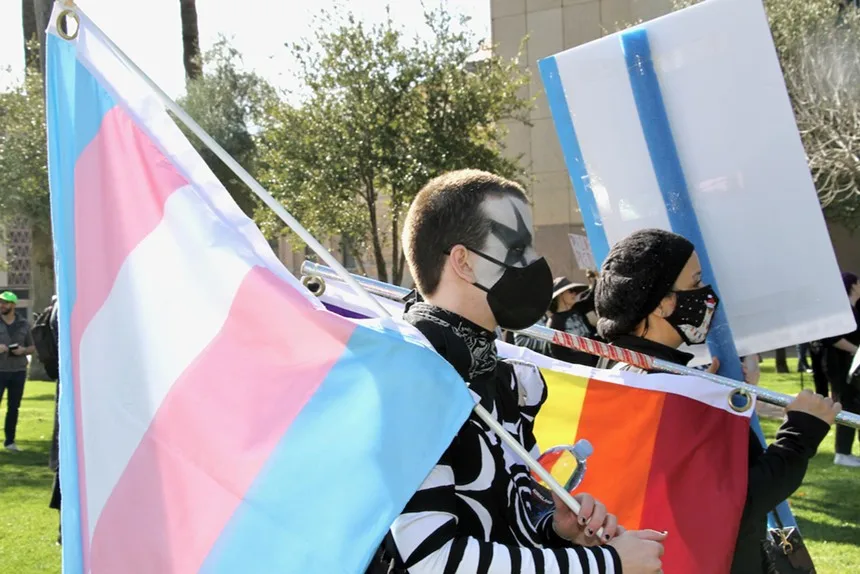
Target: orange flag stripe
618	470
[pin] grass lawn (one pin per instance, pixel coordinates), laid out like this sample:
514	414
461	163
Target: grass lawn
28	528
827	506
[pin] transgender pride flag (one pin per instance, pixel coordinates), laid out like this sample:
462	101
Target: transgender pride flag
214	416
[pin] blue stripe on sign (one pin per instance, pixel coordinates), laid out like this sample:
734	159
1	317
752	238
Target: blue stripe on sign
573	158
349	463
673	186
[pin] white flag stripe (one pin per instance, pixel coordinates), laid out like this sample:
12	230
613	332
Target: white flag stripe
186	272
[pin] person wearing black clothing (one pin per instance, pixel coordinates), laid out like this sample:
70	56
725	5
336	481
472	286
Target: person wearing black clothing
468	240
837	354
16	343
54	455
572	311
650	298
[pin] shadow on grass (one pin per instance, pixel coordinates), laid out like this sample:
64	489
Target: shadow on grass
824	532
45	397
28	468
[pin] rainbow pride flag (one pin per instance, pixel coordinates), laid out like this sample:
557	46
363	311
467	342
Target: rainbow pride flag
666	448
665	456
214	416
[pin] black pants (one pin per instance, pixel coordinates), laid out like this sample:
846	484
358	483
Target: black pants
14	383
850	399
818	375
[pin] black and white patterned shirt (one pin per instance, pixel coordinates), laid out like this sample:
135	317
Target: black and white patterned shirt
476	512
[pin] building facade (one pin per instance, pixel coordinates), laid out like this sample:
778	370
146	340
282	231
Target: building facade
16	244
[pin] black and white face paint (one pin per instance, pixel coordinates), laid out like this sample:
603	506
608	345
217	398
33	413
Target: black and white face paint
517	281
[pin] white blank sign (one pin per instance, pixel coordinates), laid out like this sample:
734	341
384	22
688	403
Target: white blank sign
742	158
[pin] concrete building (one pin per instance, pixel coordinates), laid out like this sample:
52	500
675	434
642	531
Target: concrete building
552	26
15	265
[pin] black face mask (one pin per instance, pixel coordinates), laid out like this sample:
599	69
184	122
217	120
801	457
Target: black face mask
693	314
521	296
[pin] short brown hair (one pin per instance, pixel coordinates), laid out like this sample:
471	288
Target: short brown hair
445	213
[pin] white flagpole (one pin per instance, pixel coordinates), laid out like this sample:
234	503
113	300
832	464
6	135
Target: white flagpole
318	248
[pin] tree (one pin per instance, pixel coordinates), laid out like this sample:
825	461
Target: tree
23	154
226	101
42	11
818	44
28	27
190	39
382	114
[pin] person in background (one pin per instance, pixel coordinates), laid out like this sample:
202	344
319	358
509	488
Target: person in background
816	366
591	276
572	311
838	353
54	457
802	353
16	344
650	298
535	345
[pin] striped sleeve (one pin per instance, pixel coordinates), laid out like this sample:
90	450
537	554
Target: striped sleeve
425	536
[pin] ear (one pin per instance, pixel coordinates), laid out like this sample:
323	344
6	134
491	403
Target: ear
666	307
458	260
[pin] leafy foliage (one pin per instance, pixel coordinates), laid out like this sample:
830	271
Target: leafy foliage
818	44
226	101
383	114
23	154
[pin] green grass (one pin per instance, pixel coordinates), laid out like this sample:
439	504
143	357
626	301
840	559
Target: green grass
827	506
28	528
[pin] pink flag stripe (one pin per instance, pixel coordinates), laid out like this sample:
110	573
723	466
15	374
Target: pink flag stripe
119	200
216	429
122	181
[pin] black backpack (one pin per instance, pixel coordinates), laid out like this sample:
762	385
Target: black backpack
46	343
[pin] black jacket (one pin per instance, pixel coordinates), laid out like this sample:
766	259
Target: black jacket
775	473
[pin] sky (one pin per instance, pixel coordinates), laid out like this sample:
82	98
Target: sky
150	32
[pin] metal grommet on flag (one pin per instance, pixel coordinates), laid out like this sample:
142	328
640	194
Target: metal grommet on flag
740	401
62	30
314	284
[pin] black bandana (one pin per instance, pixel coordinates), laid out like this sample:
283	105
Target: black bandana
470	348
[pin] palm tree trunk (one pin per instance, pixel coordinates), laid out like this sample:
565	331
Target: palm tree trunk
190	39
28	26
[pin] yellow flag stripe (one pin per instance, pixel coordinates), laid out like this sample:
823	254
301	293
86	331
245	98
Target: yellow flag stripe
558	420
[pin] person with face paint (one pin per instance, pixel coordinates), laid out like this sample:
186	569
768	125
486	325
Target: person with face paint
572	311
650	298
468	240
16	343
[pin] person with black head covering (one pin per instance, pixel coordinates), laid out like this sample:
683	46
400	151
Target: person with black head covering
837	354
650	298
572	311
